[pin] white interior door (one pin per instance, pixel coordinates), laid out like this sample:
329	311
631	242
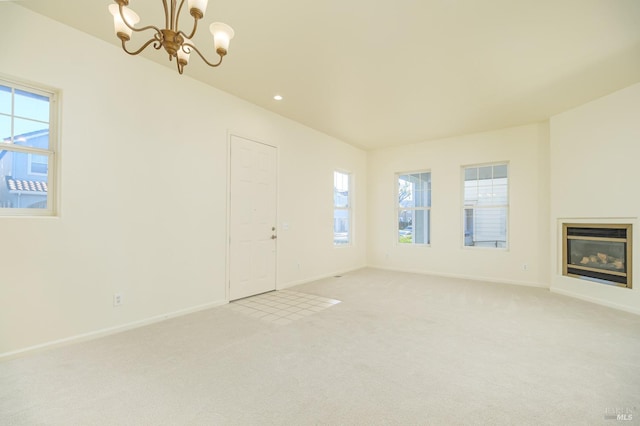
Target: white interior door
252	230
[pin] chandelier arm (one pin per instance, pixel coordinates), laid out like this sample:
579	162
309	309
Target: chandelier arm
195	25
157	46
148	27
166	14
172	15
178	15
191	46
180	67
193	32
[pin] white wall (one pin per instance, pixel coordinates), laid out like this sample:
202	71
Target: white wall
595	150
526	150
143	194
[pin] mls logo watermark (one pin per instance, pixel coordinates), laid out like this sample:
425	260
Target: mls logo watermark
623	414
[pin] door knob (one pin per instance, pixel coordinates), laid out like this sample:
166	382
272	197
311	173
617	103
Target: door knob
273	237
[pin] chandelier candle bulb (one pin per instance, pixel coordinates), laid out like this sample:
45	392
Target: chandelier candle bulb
184	52
222	34
197	8
119	25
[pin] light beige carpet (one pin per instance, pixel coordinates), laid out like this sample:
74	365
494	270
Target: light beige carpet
400	349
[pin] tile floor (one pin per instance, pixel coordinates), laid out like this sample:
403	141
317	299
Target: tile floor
282	306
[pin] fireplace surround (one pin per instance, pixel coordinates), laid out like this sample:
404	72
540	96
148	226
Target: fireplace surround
598	252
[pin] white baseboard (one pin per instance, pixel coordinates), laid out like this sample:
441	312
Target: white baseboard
464	277
597	301
147	321
108	331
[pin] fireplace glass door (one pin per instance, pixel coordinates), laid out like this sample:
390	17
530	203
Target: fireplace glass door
598	252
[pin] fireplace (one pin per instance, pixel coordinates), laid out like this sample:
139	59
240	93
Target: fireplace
598	252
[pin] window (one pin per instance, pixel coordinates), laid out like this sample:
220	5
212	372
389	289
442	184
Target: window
486	205
27	149
414	208
38	164
341	209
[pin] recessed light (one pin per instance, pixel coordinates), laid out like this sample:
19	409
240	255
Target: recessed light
277	97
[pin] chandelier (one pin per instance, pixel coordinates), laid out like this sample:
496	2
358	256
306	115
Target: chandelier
177	43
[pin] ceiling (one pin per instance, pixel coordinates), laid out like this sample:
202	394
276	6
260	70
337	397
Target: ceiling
385	73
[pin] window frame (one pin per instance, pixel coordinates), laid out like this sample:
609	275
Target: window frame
348	208
466	207
52	152
398	208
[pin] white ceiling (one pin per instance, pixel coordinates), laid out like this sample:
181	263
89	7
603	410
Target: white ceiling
377	74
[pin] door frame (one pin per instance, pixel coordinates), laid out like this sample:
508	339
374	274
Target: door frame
227	273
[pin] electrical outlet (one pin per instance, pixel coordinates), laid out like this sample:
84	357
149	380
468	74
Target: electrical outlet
117	299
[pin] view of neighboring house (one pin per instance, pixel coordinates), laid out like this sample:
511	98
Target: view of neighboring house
486	198
24	175
341	211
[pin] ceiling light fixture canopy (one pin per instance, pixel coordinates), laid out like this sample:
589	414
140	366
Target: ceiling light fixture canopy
177	43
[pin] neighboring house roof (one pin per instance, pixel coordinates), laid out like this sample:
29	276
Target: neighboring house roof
26	185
